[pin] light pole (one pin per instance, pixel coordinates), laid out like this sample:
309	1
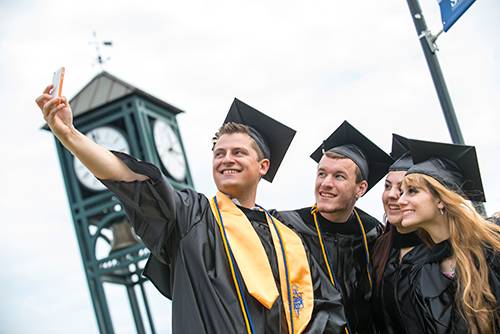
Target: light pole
427	41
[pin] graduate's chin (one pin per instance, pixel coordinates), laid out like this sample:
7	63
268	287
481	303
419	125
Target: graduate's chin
326	204
408	222
326	207
394	219
228	188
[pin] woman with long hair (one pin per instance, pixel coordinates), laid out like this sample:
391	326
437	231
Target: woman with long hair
395	252
456	287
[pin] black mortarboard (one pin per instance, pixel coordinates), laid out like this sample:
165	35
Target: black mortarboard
372	161
401	153
455	166
271	136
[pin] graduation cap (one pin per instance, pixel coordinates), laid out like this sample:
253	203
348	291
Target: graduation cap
372	161
454	166
401	153
272	137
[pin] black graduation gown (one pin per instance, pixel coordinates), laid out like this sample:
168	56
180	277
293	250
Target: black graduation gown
189	264
432	294
393	310
346	254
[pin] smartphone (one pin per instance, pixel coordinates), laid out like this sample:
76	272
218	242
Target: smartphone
57	82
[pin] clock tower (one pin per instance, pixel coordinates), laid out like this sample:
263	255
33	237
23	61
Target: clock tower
122	118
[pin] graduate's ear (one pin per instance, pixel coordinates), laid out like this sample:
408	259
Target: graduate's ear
361	188
439	204
264	166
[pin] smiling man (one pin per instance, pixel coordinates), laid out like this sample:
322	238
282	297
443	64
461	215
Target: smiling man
227	265
339	235
235	176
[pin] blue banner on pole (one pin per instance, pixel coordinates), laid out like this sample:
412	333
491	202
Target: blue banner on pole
451	10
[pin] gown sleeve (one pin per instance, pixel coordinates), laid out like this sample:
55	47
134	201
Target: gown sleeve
434	297
159	214
493	260
328	313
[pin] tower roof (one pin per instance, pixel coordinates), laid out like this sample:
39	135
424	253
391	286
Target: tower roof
105	88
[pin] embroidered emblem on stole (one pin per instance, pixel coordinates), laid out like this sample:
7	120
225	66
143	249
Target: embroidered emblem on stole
298	303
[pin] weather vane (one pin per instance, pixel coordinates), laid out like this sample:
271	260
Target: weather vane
100	59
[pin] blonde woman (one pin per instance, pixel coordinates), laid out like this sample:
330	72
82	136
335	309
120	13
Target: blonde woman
455	289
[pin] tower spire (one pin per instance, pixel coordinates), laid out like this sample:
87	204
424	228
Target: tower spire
100	59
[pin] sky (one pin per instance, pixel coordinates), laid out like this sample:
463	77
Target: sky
310	65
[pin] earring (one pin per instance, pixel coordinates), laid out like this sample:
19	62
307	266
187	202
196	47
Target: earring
441	212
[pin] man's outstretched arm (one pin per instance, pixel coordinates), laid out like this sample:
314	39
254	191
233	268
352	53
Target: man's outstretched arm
100	161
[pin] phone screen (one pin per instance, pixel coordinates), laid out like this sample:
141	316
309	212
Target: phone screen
57	82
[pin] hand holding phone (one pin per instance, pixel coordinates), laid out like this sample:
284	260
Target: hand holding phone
57	82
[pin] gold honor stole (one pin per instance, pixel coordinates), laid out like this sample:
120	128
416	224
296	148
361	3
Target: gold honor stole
242	244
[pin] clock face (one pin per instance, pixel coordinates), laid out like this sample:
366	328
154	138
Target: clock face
169	149
110	138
